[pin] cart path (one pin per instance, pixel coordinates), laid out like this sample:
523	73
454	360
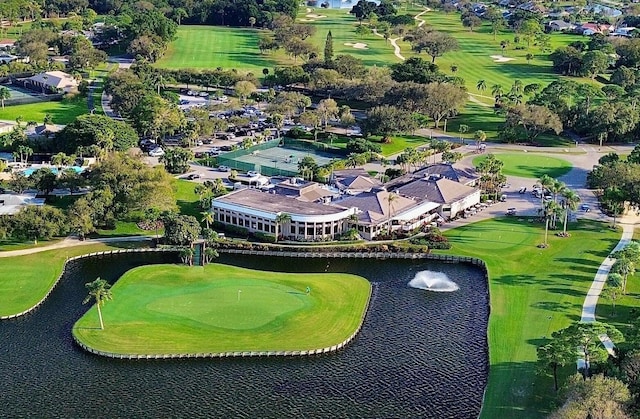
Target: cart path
72	242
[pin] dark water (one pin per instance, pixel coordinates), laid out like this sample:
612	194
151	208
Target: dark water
419	354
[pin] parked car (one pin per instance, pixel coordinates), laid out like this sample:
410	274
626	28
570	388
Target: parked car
252	173
193	176
157	152
224	168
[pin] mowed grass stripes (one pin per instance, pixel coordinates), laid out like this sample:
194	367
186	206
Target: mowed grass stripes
165	309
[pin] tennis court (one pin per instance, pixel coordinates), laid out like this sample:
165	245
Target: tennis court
272	160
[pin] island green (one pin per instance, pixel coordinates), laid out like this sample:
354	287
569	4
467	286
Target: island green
169	309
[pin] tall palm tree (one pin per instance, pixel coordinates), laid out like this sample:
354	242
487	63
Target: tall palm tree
570	203
497	91
281	218
544	183
517	86
100	292
550	211
481	85
207	217
5	94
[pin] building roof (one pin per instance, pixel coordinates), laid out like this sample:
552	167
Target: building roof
354	179
56	79
374	205
443	191
276	203
303	190
440	170
12	203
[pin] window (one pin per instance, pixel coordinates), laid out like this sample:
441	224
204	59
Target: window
260	226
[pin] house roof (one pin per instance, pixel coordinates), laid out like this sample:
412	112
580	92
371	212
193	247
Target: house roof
57	79
303	190
561	24
443	191
12	203
7	42
355	179
374	205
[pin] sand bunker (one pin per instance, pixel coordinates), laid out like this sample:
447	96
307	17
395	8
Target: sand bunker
501	59
357	45
314	16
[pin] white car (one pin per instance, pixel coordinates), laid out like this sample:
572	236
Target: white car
157	152
224	168
252	173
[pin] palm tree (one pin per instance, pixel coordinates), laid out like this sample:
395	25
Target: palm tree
281	218
497	92
207	217
544	183
210	254
517	86
5	94
186	254
550	211
570	203
481	85
480	137
99	291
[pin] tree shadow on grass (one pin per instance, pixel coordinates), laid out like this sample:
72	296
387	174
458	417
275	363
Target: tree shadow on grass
566	291
578	261
556	306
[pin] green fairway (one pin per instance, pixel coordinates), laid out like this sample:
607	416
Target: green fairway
165	309
187	200
534	292
530	165
474	62
209	47
62	112
25	280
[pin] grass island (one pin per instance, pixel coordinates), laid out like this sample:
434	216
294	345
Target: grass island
530	165
168	309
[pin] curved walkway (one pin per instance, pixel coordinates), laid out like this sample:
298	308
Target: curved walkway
600	280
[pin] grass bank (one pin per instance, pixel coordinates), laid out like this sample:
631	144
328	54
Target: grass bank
25	280
62	112
218	308
534	292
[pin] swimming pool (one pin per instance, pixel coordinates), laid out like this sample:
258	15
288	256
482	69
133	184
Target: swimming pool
28	172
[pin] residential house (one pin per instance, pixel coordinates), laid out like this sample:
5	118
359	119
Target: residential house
589	29
52	81
560	26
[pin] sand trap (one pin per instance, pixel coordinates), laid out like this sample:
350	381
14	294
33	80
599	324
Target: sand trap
357	45
315	16
501	59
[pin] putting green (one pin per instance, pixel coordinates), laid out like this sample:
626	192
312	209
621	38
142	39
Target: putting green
164	309
530	165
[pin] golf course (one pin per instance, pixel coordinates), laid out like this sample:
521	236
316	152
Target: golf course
534	292
25	280
166	309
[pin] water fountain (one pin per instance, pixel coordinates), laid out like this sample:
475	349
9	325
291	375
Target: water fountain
433	281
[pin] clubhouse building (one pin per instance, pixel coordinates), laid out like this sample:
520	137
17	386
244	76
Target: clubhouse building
316	212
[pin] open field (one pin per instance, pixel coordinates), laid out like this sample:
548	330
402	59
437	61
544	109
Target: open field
217	308
62	112
25	280
534	292
187	200
530	165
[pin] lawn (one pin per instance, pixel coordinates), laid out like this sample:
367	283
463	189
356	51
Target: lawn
187	200
530	165
218	308
534	292
400	142
62	112
25	280
209	47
